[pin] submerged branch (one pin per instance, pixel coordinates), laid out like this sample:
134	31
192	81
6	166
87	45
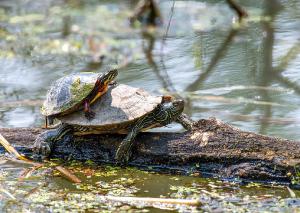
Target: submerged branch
67	174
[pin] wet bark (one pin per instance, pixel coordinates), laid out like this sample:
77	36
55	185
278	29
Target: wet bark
212	148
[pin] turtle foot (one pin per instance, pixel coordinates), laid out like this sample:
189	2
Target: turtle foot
41	149
90	115
123	153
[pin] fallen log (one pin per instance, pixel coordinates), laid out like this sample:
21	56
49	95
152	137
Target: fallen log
212	148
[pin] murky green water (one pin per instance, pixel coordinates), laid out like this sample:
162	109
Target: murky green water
248	78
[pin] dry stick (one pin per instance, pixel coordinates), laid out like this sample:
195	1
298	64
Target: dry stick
11	149
152	200
23	159
68	174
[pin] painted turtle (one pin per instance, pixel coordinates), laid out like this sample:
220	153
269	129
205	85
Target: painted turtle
122	110
74	92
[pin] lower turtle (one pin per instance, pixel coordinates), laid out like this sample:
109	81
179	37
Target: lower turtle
123	110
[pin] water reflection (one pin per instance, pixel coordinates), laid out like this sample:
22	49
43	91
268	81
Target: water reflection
162	75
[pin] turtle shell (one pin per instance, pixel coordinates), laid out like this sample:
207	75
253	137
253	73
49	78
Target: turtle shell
67	92
121	104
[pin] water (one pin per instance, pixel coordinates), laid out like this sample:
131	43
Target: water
248	78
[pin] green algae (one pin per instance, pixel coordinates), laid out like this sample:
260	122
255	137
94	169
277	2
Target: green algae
80	90
41	193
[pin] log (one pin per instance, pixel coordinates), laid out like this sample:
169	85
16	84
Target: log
212	148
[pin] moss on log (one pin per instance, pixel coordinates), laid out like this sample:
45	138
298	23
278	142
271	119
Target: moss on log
212	148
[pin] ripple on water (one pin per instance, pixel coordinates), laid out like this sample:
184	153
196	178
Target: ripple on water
19	77
22	117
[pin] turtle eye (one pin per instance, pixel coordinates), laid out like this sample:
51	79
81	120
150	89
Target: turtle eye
175	104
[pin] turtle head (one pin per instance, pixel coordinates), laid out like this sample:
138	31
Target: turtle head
169	111
174	107
102	83
106	78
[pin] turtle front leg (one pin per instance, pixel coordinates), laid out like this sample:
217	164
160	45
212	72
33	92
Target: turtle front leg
88	113
123	153
45	142
185	121
124	150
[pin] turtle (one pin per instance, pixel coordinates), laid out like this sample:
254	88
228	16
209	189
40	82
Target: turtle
74	92
122	109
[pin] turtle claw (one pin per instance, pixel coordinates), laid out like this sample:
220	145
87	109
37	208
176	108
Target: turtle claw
90	115
123	153
41	149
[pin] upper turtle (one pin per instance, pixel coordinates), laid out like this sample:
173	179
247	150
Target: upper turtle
73	92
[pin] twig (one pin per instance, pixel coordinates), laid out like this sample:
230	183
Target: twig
11	149
67	174
152	200
23	159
